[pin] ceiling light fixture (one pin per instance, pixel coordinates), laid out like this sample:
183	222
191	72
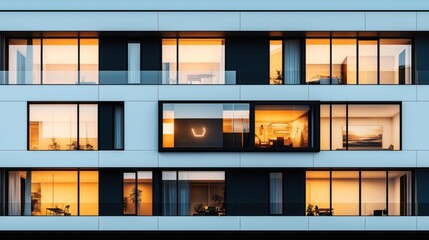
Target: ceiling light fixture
199	135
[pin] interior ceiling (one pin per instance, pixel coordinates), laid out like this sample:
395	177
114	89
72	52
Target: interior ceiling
375	111
353	174
278	115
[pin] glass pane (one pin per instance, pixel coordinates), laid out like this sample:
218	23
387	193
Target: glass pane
345	193
24	61
400	193
317	59
292	61
169	193
318	193
373	195
338	127
395	61
88	61
201	193
276	193
144	192
343	61
60	60
201	61
368	62
18	205
205	125
134	62
276	62
52	126
374	127
325	127
281	126
88	193
169	61
88	127
130	193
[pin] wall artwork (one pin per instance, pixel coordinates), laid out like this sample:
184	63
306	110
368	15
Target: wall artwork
363	136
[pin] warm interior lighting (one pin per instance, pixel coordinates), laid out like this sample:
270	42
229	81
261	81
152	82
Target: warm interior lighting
199	135
279	125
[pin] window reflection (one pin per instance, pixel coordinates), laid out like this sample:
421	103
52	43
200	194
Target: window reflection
24	61
395	61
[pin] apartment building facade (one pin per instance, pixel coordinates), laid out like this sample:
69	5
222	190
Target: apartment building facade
214	116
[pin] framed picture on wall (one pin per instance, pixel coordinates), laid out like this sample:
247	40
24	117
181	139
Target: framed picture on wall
363	136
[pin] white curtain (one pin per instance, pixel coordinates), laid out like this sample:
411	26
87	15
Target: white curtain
276	193
14	198
118	127
27	205
134	63
292	60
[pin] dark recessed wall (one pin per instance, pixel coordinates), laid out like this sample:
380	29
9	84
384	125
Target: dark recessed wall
294	192
110	192
422	193
249	57
421	49
113	60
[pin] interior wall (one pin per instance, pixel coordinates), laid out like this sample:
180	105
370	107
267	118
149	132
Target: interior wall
394	196
396	132
345	196
325	133
373	195
58	195
318	192
88	199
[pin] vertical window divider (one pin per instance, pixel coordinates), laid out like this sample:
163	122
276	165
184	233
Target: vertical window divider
330	60
357	62
347	126
387	192
252	126
360	192
78	191
177	61
136	195
41	60
330	126
78	126
177	193
78	60
378	61
330	191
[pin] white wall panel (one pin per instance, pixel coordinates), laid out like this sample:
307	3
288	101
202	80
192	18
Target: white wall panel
266	159
423	159
365	159
415	130
199	21
391	21
276	92
302	21
13	126
390	223
128	159
220	160
49	159
79	21
215	5
119	223
21	223
49	93
200	223
362	92
422	223
422	93
199	92
128	93
336	223
141	126
276	223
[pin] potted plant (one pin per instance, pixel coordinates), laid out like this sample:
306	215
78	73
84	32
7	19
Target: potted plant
310	211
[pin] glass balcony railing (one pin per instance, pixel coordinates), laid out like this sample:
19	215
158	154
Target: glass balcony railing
118	77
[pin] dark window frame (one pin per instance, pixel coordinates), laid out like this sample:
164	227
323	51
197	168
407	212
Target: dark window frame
313	125
413	58
346	104
28	39
77	103
77	170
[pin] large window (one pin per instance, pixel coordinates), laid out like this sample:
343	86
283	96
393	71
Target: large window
205	125
193	193
193	61
355	126
72	126
52	193
215	126
353	61
285	61
354	193
53	61
137	193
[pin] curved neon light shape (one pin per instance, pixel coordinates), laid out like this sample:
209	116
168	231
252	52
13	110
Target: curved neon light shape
199	135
